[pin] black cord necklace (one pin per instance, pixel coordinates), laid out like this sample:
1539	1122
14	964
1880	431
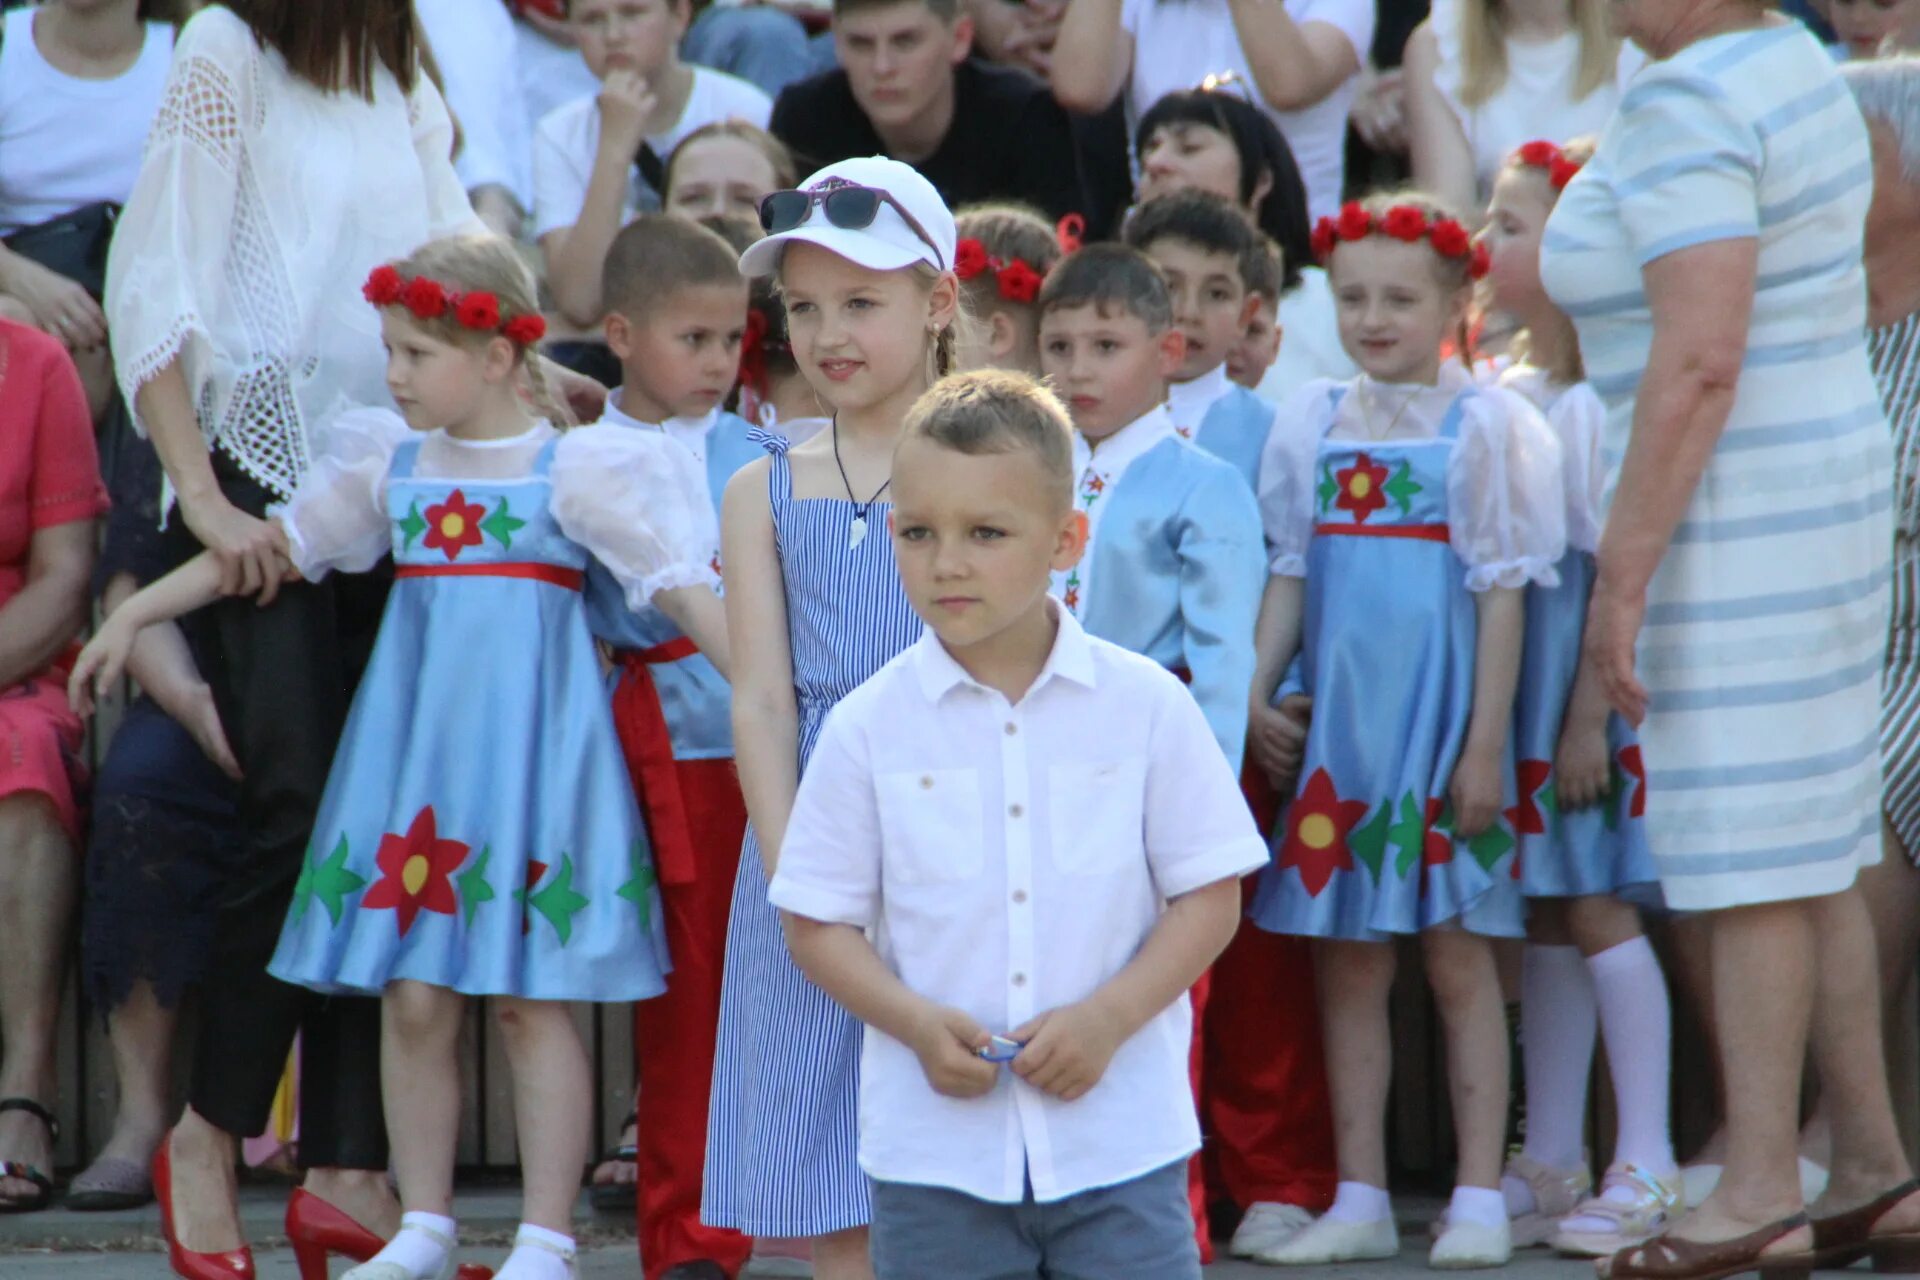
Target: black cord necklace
858	530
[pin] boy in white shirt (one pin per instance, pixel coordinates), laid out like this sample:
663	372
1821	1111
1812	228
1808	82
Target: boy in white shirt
598	160
1201	243
1045	842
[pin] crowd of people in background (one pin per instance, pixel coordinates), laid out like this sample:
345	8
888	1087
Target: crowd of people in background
1501	416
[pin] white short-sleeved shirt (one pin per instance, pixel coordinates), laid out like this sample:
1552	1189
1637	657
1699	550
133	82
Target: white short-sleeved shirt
1010	860
1178	43
567	140
66	142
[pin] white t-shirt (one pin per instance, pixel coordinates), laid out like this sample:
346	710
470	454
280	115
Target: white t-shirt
66	142
1178	43
566	141
478	55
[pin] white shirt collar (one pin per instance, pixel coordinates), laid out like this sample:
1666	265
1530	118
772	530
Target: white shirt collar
697	427
1119	450
1189	401
617	415
1070	659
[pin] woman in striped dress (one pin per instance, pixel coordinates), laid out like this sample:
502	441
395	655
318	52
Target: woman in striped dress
1710	256
865	255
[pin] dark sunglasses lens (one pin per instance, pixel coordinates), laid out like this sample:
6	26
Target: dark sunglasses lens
784	210
853	208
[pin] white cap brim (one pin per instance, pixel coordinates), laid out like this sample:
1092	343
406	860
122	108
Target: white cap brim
762	258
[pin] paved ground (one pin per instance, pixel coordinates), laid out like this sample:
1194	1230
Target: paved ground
126	1246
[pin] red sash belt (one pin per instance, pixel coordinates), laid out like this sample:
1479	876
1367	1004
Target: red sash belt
571	579
1423	532
648	746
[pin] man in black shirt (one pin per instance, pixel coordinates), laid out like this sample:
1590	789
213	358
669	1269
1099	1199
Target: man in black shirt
909	88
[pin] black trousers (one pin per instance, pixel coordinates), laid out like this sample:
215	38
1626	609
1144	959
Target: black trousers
283	678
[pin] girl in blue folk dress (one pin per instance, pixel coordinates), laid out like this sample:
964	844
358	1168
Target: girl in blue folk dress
1584	859
478	835
1407	510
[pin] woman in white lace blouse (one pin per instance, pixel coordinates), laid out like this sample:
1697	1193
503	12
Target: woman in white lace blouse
298	146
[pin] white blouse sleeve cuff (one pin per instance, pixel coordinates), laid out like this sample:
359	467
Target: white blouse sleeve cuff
1537	570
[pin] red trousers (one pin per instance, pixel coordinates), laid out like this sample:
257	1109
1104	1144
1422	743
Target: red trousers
674	1033
1264	1105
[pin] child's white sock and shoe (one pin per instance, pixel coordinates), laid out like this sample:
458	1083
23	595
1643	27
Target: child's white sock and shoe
1358	1227
421	1250
1475	1233
539	1254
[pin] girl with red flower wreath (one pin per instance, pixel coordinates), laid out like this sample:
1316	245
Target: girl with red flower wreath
1004	252
478	835
1584	858
1406	514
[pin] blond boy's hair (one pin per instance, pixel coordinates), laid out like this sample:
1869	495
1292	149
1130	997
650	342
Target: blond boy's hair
998	411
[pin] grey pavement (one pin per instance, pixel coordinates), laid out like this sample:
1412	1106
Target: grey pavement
61	1245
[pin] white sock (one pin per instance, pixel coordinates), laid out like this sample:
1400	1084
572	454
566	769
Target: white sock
1557	1027
1636	1018
1478	1206
538	1254
1358	1202
421	1245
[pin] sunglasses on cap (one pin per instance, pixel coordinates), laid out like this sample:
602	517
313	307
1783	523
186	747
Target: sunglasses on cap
850	208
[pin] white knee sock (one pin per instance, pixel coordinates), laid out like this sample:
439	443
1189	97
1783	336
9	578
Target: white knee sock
1360	1202
1557	1027
538	1254
1636	1019
421	1245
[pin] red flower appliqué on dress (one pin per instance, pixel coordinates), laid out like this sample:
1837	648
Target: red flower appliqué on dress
416	872
1362	488
454	525
1634	767
1317	829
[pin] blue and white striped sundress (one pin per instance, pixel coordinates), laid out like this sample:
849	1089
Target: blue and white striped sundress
783	1126
1766	624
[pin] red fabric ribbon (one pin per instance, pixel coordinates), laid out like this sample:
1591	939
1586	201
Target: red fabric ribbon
647	744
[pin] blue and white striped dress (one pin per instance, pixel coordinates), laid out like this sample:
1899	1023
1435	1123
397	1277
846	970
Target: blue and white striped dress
782	1126
1766	624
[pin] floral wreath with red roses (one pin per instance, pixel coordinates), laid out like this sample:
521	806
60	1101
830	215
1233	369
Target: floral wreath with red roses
1548	157
1404	222
428	299
1015	278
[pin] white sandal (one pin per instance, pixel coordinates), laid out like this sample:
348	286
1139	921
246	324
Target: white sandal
1633	1222
1555	1194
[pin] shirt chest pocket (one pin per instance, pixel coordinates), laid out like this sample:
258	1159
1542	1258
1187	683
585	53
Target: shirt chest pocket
1098	815
930	825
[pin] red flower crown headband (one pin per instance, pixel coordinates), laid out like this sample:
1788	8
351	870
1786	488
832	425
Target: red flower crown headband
1550	157
430	300
1404	222
1016	279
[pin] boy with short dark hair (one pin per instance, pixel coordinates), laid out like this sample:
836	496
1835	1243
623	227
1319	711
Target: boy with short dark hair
676	310
1202	243
1036	830
907	86
1175	551
1259	346
598	160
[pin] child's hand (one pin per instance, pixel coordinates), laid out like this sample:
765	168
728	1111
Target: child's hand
948	1044
1278	739
203	722
1475	792
100	664
1582	770
626	104
1068	1049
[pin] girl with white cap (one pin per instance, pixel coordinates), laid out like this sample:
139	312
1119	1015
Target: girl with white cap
864	252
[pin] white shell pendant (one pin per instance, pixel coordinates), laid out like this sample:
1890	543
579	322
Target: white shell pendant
857	532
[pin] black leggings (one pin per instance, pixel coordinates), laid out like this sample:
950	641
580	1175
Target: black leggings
283	678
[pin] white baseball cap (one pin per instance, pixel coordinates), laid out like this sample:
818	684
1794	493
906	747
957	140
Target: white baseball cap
890	242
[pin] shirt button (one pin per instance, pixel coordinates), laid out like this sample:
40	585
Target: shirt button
1019	979
1019	895
1015	810
1012	728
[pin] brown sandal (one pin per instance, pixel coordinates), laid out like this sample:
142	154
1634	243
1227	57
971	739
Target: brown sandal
1842	1239
1669	1259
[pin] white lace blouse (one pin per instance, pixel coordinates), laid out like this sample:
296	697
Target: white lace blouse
262	204
1577	417
1505	515
633	499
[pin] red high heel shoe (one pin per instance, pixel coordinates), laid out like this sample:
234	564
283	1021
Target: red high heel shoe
234	1264
317	1229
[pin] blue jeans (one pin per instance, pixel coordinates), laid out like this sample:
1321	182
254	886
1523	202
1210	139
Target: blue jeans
1141	1229
766	46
